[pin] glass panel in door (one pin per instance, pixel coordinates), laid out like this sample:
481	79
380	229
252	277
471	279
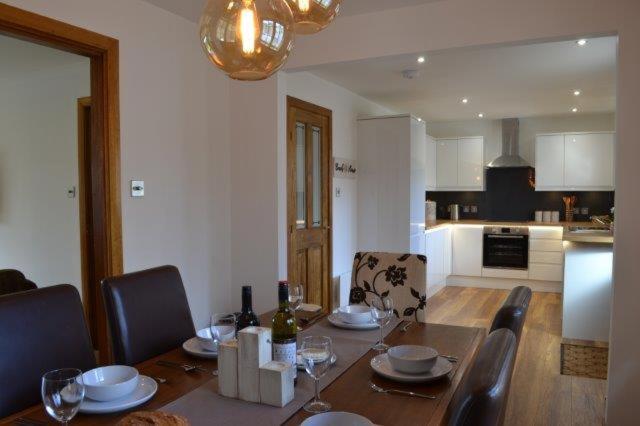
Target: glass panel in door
301	205
316	139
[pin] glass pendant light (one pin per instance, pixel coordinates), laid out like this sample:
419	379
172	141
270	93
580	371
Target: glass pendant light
247	39
312	16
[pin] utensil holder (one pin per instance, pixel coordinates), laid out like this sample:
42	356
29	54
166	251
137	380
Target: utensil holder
569	215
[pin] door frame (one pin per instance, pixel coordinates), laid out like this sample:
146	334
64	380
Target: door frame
103	52
327	113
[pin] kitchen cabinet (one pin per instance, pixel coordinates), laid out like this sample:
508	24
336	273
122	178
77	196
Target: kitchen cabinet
438	252
546	260
460	164
431	164
575	162
467	250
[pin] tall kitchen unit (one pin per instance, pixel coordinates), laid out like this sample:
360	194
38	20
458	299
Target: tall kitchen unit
391	184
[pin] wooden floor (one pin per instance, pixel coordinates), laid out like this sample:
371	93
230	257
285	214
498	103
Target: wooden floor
540	395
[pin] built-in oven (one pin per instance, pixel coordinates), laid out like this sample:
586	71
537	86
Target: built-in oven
505	247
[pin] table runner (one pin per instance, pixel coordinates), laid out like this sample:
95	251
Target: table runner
204	406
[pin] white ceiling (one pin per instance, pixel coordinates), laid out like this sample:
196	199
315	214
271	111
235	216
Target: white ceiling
21	58
514	81
191	9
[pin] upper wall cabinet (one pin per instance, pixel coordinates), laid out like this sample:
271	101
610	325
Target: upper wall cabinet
459	164
575	162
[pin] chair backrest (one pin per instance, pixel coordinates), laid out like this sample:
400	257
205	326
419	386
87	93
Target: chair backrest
13	281
481	397
513	312
148	313
40	330
403	277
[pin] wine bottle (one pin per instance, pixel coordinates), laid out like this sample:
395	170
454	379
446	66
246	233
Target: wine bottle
247	317
284	330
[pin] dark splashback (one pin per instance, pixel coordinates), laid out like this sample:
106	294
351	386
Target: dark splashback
509	196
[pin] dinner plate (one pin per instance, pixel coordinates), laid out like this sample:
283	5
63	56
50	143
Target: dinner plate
337	418
381	365
300	363
145	390
336	321
192	347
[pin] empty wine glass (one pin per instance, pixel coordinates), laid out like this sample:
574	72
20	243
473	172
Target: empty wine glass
381	312
62	392
296	297
222	327
316	353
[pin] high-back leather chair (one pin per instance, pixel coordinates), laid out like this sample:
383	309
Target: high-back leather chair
40	330
481	398
13	281
148	313
513	312
403	277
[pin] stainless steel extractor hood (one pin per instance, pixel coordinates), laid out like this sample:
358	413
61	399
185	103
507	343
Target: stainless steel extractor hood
510	151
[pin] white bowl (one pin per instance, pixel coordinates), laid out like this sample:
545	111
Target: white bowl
110	382
355	314
412	359
337	418
227	332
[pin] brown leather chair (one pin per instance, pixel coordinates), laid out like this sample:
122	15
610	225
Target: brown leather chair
13	281
148	313
481	398
513	312
40	330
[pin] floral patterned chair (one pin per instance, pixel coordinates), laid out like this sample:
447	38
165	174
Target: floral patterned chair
403	277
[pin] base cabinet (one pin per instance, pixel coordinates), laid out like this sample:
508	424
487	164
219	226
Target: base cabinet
467	251
438	252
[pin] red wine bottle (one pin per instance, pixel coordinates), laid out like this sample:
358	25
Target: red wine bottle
247	317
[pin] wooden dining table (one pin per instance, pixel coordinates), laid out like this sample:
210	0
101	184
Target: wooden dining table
350	392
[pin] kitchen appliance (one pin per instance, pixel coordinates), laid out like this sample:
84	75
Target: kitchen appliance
510	150
431	211
505	247
454	211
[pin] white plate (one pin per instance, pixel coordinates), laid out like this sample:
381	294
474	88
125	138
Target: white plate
300	364
337	418
382	366
335	320
145	390
192	347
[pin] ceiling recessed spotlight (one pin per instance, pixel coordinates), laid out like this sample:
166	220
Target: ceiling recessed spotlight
576	93
582	42
419	119
480	115
421	59
574	109
465	100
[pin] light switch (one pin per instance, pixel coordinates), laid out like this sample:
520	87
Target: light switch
71	192
137	188
338	192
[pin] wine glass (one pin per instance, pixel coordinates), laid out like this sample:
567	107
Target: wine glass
62	392
221	326
316	353
381	312
296	297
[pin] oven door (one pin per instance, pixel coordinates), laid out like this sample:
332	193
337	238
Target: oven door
505	251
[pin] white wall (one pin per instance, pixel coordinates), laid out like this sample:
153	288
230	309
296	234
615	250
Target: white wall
39	224
529	128
174	128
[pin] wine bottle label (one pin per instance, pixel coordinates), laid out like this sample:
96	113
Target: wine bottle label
286	352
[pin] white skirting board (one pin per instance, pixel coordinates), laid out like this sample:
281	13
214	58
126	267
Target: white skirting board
504	283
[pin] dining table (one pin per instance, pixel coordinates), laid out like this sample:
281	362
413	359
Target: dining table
347	386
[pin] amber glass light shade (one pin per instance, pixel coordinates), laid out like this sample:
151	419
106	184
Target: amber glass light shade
247	39
312	16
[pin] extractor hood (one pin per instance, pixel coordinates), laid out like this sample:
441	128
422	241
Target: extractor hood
510	150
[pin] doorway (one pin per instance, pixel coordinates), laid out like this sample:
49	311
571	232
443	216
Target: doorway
309	211
101	193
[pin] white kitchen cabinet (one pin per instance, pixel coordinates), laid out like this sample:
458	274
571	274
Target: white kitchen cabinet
460	164
467	251
589	159
575	161
447	163
438	252
549	161
431	164
470	163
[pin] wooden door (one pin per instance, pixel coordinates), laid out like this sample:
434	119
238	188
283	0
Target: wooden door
309	199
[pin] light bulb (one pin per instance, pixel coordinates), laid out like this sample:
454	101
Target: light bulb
247	30
312	16
303	5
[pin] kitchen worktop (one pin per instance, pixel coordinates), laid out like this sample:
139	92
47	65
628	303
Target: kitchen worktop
584	237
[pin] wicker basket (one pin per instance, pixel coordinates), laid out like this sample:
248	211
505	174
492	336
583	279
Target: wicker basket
587	360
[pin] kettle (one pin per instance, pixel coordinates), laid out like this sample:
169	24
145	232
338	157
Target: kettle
454	211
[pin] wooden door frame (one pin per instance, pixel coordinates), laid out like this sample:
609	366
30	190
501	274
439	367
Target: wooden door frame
103	53
327	113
